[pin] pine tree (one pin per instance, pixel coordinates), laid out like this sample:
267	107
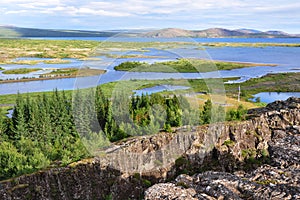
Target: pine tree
207	112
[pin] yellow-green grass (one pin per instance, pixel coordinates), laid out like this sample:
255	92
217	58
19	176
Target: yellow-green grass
228	102
21	70
34	62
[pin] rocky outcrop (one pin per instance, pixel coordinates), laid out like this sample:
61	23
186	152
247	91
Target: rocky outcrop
279	179
253	159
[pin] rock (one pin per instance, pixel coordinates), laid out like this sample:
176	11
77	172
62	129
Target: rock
170	191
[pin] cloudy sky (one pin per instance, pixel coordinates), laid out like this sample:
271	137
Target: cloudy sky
128	14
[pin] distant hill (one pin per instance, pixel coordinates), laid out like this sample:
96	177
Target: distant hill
11	31
169	33
217	33
246	30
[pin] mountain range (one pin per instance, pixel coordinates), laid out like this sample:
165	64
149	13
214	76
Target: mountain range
12	31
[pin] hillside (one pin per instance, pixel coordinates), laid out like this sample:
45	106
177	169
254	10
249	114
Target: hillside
217	33
11	31
169	33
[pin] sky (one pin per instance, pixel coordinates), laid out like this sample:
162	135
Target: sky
263	15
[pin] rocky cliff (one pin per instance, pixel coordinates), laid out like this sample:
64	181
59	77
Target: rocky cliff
254	159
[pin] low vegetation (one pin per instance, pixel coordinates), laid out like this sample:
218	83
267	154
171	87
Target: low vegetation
21	70
55	74
34	62
184	66
15	48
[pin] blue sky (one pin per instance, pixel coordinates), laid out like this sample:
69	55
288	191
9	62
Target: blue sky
131	14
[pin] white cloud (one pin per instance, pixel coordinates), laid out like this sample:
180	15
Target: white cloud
121	8
15	12
154	13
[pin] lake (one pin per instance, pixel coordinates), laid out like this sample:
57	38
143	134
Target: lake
287	58
268	97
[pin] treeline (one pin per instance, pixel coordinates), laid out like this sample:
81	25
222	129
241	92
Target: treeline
125	116
58	129
41	132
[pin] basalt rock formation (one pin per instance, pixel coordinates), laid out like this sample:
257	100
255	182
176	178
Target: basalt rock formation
255	159
277	130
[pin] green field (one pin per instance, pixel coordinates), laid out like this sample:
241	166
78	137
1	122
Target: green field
184	66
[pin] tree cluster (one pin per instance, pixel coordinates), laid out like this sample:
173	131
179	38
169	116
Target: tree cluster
56	129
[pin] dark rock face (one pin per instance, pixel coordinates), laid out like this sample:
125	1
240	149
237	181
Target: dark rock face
254	159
